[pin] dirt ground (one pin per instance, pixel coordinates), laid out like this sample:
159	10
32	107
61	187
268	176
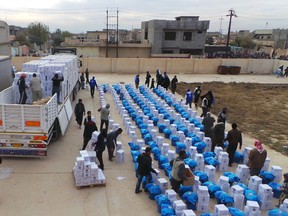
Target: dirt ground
259	110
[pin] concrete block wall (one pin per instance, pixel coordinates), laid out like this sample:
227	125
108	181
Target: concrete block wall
170	65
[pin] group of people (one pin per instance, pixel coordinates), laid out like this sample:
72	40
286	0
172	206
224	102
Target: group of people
35	85
161	80
281	72
104	138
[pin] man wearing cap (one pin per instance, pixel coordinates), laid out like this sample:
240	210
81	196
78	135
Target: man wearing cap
22	89
257	157
144	169
234	137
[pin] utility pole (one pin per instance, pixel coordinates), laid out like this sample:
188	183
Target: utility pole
112	26
220	29
107	34
117	37
232	13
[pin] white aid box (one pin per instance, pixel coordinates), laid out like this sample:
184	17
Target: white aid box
202	207
252	206
92	156
111	122
115	126
120	156
87	165
203	199
179	205
79	166
223	180
223	154
277	172
202	190
171	154
221	210
140	142
154	176
163	184
264	188
200	135
119	145
237	190
188	212
171	194
210	170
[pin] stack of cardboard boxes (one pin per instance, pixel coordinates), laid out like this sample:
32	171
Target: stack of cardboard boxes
86	172
203	199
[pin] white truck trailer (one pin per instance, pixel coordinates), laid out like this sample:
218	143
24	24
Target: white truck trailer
27	129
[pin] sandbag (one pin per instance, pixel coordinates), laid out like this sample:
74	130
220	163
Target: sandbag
161	128
211	161
174	139
200	146
232	177
180	146
266	176
167	133
235	212
223	198
184	189
133	146
276	189
202	176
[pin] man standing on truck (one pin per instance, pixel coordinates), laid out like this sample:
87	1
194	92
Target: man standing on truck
56	86
79	111
22	89
35	84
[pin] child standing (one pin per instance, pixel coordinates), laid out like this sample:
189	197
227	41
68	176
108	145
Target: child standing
284	189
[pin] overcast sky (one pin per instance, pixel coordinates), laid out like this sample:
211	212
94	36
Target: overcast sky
79	16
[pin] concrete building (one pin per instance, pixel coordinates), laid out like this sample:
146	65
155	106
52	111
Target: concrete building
274	38
184	35
4	39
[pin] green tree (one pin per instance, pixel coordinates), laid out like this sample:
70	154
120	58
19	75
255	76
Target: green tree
58	37
38	33
22	38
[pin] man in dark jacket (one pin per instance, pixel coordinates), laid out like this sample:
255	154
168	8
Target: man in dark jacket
174	82
218	135
92	84
197	94
147	79
22	89
234	137
208	123
56	86
112	142
166	81
100	147
90	127
144	169
178	171
79	111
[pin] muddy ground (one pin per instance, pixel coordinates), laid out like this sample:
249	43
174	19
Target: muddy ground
261	111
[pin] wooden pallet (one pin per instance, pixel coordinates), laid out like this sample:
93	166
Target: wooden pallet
91	186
